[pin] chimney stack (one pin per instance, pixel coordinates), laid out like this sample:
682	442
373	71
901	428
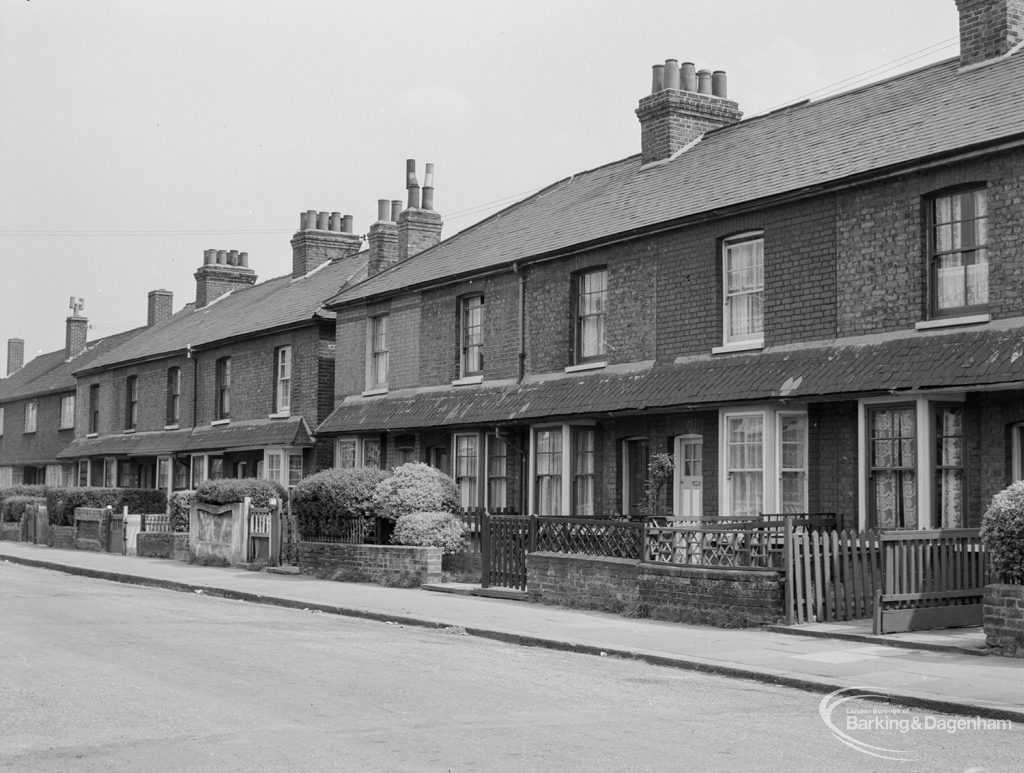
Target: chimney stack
15	354
383	237
218	275
682	106
419	227
322	237
989	29
160	307
76	331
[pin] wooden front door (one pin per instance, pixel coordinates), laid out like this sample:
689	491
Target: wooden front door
689	476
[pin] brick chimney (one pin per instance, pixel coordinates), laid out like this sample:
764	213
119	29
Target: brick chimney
15	354
682	106
77	330
383	237
989	28
322	237
419	226
222	271
160	307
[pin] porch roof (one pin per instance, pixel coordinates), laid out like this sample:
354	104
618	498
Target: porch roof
236	435
901	362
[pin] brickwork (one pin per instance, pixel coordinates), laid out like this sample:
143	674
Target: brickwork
20	448
1003	618
15	354
671	119
160	306
832	455
586	582
75	333
995	414
418	230
989	28
62	537
350	353
10	532
313	248
162	545
152	385
381	564
724	597
383	246
213	280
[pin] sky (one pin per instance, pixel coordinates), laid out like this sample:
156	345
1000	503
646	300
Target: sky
135	134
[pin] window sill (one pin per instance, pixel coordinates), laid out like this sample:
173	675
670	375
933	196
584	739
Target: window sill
65	429
587	366
93	434
280	415
973	319
29	432
467	380
172	426
219	422
375	392
738	346
128	431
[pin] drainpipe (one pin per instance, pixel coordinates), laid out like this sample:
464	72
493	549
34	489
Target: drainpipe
522	319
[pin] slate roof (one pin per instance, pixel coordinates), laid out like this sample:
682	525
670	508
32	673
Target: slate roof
929	112
265	306
967	359
50	372
236	435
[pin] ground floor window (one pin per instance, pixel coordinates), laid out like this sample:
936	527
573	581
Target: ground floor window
497	473
763	462
563	469
467	469
110	472
83	472
584	470
548	463
358	452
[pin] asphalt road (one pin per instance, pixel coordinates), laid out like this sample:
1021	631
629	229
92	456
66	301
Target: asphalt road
96	676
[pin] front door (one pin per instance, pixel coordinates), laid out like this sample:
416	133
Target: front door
637	459
689	476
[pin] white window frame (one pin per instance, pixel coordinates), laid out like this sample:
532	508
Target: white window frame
31	416
771	455
204	471
741	340
1	420
83	464
292	456
923	405
109	472
67	412
565	491
465	344
283	380
165	470
374	355
360	449
478	476
490	440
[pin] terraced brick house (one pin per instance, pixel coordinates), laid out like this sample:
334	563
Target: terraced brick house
38	404
227	387
820	309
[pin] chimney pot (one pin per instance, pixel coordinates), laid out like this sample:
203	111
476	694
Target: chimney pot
688	76
302	221
672	74
209	257
704	82
243	259
347	226
411	184
335	224
222	257
383	210
232	257
323	221
310	219
657	78
396	209
718	84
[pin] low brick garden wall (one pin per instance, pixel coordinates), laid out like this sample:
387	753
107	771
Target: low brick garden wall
688	594
393	565
584	582
11	532
62	537
157	544
1003	610
714	596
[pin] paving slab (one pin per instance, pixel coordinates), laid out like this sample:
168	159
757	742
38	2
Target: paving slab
924	674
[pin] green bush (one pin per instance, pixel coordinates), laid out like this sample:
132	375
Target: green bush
61	502
13	507
415	488
227	490
321	503
1002	532
430	530
178	507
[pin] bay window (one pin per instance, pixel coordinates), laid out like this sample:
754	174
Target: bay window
763	462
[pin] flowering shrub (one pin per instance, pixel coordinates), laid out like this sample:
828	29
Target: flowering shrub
227	490
178	508
430	530
415	488
321	503
1002	532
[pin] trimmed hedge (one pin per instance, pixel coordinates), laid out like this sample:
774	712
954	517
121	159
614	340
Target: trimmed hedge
13	508
178	507
1002	532
415	488
61	502
321	503
6	492
227	490
430	530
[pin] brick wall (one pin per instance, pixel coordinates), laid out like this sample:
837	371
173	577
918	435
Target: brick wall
399	565
162	545
832	455
586	582
990	418
1003	610
11	532
723	597
17	447
62	537
350	353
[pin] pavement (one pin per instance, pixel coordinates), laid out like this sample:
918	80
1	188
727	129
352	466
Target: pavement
943	671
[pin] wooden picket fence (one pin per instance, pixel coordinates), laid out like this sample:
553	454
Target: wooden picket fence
831	574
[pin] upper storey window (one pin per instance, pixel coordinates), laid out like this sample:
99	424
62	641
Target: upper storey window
173	396
743	289
379	351
958	239
283	379
223	389
591	304
131	408
472	335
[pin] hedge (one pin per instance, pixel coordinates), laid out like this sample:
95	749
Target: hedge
430	530
1002	533
224	491
13	508
179	507
61	502
321	503
415	488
